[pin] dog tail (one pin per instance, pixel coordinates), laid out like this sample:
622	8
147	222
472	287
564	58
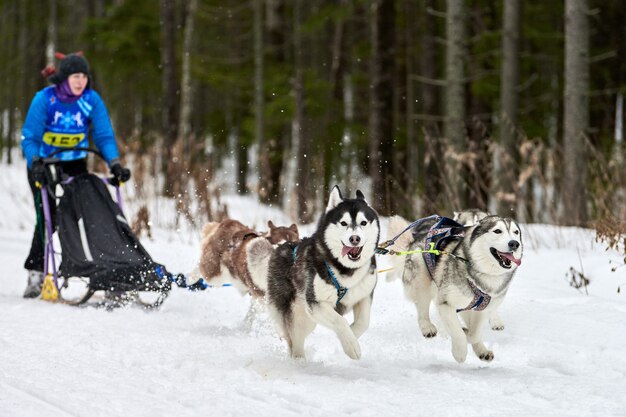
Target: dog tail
258	253
209	263
396	225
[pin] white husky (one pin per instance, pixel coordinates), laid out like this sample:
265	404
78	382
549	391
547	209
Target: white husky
470	276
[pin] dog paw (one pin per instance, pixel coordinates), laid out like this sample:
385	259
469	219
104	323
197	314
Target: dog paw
297	354
428	330
482	352
352	348
358	330
459	352
496	322
429	334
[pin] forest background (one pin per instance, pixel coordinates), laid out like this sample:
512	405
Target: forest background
428	106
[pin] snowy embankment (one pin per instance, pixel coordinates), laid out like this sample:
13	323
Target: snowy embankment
561	353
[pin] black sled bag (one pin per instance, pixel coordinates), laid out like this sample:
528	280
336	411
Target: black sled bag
97	242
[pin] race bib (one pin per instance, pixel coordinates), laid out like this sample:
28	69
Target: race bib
63	140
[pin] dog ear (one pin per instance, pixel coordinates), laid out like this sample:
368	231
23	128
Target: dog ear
360	196
334	199
270	224
293	227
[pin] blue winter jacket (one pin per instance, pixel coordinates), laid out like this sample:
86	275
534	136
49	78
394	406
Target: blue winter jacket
51	125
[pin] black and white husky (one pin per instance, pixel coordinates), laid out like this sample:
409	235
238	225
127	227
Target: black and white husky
321	278
469	277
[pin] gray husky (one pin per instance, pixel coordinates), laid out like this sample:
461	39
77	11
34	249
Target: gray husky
321	278
469	217
470	276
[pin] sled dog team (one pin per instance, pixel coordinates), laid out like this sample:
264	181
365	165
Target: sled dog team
463	265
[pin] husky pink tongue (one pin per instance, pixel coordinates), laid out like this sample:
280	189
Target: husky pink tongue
347	249
511	258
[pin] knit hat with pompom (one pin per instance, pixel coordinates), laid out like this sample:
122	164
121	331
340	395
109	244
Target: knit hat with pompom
70	64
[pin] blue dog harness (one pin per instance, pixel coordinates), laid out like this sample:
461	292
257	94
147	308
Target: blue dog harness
341	291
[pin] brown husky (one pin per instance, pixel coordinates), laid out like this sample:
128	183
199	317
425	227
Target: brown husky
223	253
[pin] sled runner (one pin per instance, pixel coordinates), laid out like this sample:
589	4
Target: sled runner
98	247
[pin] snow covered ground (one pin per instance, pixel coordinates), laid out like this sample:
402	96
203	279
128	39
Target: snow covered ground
561	353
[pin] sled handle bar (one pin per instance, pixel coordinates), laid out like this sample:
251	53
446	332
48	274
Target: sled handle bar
51	160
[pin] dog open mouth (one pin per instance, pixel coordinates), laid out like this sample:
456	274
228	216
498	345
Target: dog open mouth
505	258
353	252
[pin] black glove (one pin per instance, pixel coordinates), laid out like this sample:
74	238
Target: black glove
38	170
120	173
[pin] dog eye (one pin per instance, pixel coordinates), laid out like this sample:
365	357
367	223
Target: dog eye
363	223
344	224
516	232
497	231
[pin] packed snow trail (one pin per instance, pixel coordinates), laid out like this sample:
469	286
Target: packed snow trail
560	354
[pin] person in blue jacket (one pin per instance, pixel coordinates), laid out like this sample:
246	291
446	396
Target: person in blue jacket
63	116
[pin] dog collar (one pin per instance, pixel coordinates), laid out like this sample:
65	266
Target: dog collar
249	235
480	301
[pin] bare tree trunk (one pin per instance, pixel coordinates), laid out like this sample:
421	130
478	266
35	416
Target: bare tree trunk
184	166
619	200
401	193
575	112
4	77
433	169
52	32
335	165
350	168
454	126
412	151
508	158
338	59
277	136
300	142
619	129
259	100
3	125
381	108
95	9
19	90
349	171
5	20
169	100
547	210
240	144
476	162
186	97
11	125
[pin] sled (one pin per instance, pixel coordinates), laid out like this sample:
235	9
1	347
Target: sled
99	252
